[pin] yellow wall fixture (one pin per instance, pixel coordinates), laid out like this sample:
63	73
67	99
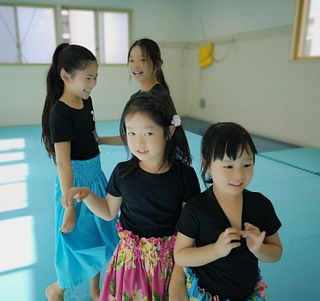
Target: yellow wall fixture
206	55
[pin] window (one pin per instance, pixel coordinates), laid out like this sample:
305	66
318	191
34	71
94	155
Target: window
306	44
105	33
78	27
114	37
27	34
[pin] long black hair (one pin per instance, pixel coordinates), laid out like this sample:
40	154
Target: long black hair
224	138
157	107
71	58
152	51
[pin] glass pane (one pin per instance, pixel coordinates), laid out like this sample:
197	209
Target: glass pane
8	50
311	45
114	37
78	28
37	34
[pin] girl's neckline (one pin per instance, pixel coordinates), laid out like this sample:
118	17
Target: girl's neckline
154	173
155	84
73	108
220	207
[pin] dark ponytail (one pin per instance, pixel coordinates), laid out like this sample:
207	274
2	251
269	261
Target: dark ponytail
161	80
55	87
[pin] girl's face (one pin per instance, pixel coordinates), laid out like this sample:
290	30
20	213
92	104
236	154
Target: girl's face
145	138
232	176
140	66
81	83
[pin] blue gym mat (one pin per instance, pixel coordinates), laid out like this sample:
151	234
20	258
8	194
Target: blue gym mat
306	159
289	178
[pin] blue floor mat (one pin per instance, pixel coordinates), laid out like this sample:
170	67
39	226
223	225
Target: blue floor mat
287	177
306	159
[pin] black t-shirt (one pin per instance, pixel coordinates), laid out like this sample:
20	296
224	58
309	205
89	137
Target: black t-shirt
234	276
152	203
76	126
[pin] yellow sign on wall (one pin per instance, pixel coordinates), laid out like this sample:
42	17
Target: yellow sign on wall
206	55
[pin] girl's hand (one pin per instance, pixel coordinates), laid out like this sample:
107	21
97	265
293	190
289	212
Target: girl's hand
178	292
69	220
177	286
228	240
78	193
254	238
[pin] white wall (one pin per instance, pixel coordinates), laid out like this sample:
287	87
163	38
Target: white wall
255	83
215	18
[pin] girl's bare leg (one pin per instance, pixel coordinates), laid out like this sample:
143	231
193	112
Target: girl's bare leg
54	292
94	287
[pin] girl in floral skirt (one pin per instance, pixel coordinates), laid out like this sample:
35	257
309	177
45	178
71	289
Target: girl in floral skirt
149	190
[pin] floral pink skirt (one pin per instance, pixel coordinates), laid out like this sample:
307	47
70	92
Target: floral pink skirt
140	268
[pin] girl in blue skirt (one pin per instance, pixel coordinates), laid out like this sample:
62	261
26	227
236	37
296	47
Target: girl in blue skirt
84	242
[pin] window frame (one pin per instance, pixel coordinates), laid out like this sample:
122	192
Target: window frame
57	8
96	11
300	23
19	47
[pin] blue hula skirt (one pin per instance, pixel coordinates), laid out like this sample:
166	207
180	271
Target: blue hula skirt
82	253
194	292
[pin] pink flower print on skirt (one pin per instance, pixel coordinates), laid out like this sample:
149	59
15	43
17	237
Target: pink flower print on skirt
140	268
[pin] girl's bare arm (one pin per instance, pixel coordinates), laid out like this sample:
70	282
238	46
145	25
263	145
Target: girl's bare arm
63	160
107	208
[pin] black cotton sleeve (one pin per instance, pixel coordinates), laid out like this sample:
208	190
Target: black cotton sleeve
271	221
113	184
191	184
188	223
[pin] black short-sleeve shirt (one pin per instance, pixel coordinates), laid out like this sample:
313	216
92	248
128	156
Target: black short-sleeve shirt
76	126
234	276
152	203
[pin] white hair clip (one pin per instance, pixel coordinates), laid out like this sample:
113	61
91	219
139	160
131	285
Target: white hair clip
176	120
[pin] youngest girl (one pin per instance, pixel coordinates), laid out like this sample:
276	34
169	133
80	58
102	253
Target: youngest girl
225	230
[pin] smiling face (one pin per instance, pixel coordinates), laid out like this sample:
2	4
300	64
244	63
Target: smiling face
141	67
145	139
230	176
80	84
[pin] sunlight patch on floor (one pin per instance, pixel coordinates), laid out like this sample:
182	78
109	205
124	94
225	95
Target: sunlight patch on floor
14	196
12	157
25	290
13	172
11	144
17	243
